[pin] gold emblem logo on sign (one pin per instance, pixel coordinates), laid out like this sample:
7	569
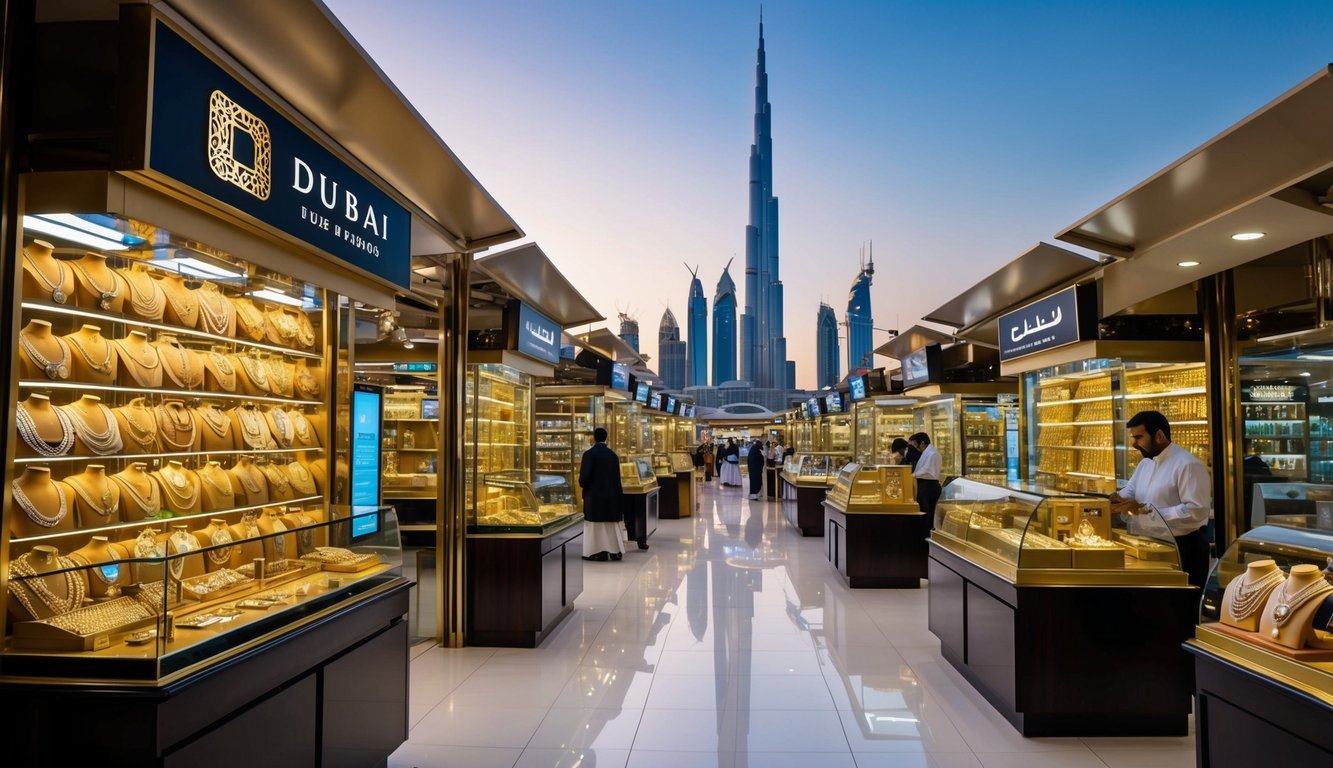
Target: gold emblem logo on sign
225	119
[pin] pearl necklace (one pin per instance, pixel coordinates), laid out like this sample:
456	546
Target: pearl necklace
101	367
1249	597
35	514
27	429
108	505
1288	602
105	297
103	442
146	302
56	288
150	502
54	369
220	538
214	319
178	421
34	582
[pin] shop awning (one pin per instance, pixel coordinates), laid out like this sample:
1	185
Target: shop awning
1246	179
300	51
911	340
526	273
1038	271
607	343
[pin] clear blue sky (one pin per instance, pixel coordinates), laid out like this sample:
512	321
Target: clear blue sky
952	134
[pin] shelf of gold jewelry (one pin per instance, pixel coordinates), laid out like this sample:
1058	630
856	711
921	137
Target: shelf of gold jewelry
178	330
133	457
29	541
79	387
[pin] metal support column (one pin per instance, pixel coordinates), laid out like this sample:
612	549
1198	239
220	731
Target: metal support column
1217	305
451	595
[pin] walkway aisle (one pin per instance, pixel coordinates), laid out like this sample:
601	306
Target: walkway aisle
730	644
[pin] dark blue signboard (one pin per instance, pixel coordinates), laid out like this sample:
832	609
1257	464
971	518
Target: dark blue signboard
535	335
1046	324
213	134
365	465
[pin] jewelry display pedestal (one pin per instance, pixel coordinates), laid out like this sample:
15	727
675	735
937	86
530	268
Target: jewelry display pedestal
1066	660
641	513
807	514
878	549
521	586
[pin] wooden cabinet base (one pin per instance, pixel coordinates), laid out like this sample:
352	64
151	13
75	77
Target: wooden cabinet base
1067	660
807	514
1246	718
521	586
641	513
877	550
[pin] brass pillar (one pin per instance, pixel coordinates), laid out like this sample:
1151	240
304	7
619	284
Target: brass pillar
450	529
1217	305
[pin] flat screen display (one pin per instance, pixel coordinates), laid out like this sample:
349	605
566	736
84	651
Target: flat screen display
430	408
620	377
655	401
816	406
857	387
367	414
670	404
833	402
921	366
641	392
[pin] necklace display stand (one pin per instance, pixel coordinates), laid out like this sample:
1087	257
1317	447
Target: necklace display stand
219	371
43	356
42	504
182	308
44	276
1286	617
96	285
251	375
43	429
249	429
278	544
96	497
246	534
249	319
96	431
140	365
220	548
180	488
140	495
217	315
138	427
177	431
251	481
181	367
214	428
106	575
279	485
146	299
219	488
36	592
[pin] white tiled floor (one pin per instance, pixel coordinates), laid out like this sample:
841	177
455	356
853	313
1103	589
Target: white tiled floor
731	643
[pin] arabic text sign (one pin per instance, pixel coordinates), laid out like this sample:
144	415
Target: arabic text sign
1045	324
536	336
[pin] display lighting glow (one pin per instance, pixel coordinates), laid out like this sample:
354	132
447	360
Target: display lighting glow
268	294
1288	335
1189	263
67	226
1315	357
1305	373
188	265
1248	235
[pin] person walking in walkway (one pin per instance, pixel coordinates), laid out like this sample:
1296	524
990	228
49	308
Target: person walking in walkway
603	501
754	464
730	456
709	458
927	474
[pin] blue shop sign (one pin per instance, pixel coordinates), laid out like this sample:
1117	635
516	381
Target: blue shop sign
536	335
1046	324
212	133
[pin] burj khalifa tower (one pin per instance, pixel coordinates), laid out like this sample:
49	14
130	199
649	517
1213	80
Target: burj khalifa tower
763	347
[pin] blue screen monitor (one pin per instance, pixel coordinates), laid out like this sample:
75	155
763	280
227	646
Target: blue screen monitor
655	401
641	392
620	376
367	417
857	386
671	405
833	402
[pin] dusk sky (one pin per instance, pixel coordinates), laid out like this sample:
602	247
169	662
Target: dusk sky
954	135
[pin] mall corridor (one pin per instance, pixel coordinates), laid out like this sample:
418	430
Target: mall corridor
731	643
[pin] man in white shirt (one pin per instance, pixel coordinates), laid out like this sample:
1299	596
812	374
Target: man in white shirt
1174	482
927	474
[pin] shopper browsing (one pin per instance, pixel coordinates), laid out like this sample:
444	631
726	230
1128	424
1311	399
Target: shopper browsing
603	501
1172	481
754	464
927	474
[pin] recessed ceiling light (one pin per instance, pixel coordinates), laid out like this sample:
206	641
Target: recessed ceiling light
1247	235
1187	263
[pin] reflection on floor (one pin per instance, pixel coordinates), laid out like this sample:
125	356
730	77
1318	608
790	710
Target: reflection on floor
731	643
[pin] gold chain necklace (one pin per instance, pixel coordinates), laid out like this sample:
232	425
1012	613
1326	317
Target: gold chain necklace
57	288
148	302
250	318
150	501
177	420
216	420
220	538
54	369
250	485
213	318
307	385
144	437
105	296
103	442
277	479
178	488
252	427
87	355
254	369
106	504
206	474
34	582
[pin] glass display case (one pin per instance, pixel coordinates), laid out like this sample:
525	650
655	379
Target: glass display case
989	449
940	418
1277	431
662	465
184	592
1298	505
636	474
498	403
681	461
663	431
631	431
411	444
804	434
835	433
685	434
1076	416
508	502
564	418
878	423
1025	532
813	468
871	488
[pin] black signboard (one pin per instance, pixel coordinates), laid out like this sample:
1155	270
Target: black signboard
1062	318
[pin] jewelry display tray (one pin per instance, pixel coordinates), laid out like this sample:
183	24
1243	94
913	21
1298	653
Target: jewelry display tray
1308	655
295	570
370	560
44	636
218	594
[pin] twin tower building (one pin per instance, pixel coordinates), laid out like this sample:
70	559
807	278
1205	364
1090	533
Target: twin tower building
757	343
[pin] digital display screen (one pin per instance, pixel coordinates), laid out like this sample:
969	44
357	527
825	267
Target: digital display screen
858	388
367	405
815	407
655	401
641	392
671	404
833	402
620	376
430	408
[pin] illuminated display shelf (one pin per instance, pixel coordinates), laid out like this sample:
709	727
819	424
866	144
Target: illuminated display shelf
40	384
180	455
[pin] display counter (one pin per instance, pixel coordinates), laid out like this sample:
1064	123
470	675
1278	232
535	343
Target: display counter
875	532
1263	653
674	473
642	497
524	559
1028	587
806	478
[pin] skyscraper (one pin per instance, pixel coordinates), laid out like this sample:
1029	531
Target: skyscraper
763	346
671	352
826	339
724	329
629	331
697	357
860	324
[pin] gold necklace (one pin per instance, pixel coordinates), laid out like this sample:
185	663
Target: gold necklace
216	420
34	582
181	301
54	369
301	478
223	489
220	538
102	367
140	368
150	501
300	426
282	427
254	369
213	318
178	488
250	318
56	288
106	504
305	331
105	296
277	479
279	377
144	437
103	442
306	384
183	362
252	427
178	421
146	302
250	485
